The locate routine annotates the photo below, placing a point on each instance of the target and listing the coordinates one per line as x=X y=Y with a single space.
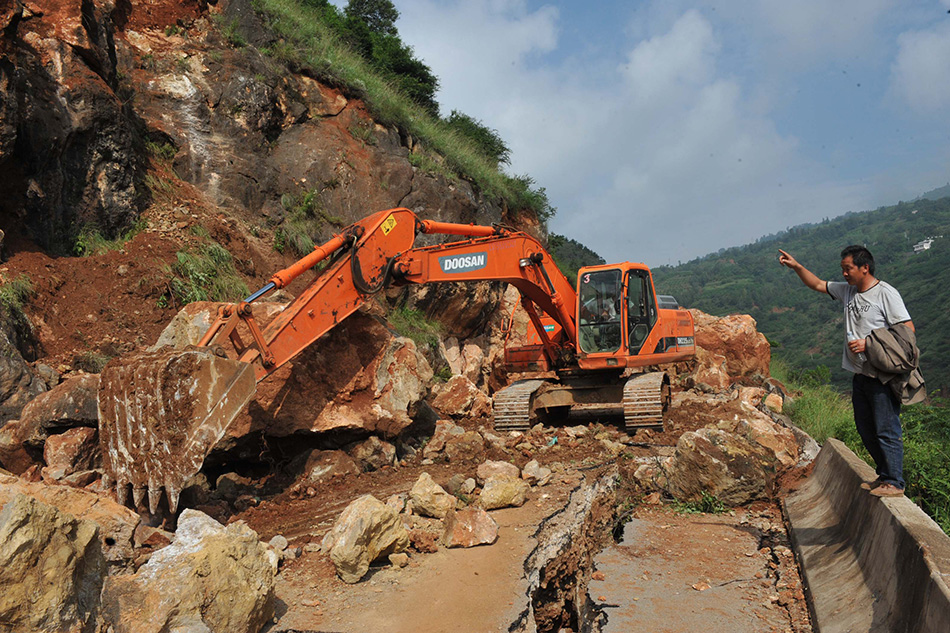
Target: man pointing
x=869 y=304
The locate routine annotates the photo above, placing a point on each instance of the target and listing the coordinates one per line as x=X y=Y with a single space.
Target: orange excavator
x=162 y=412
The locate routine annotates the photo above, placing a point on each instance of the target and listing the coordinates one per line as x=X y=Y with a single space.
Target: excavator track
x=646 y=399
x=512 y=405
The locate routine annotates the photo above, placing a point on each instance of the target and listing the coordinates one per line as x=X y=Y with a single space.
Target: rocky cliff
x=164 y=122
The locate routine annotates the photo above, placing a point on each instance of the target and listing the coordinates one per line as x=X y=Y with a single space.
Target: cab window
x=599 y=318
x=641 y=309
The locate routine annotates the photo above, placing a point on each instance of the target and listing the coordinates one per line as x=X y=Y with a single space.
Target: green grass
x=16 y=292
x=306 y=218
x=206 y=275
x=91 y=242
x=414 y=324
x=708 y=504
x=307 y=41
x=823 y=412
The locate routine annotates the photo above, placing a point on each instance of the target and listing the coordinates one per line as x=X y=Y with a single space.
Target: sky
x=663 y=131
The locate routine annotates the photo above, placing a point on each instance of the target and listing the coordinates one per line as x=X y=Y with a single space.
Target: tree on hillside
x=488 y=141
x=378 y=15
x=369 y=27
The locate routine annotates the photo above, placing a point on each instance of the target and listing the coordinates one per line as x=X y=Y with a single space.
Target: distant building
x=925 y=244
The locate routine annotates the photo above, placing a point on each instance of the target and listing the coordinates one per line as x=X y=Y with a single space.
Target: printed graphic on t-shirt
x=856 y=309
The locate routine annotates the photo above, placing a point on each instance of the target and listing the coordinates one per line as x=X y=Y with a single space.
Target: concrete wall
x=870 y=564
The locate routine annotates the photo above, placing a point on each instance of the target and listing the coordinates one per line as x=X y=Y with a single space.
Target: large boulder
x=502 y=491
x=491 y=468
x=18 y=384
x=736 y=461
x=70 y=452
x=444 y=432
x=116 y=523
x=211 y=578
x=746 y=351
x=373 y=453
x=325 y=466
x=70 y=404
x=366 y=530
x=51 y=569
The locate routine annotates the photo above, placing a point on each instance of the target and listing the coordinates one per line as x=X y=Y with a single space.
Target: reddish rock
x=444 y=431
x=70 y=404
x=14 y=455
x=468 y=445
x=460 y=398
x=469 y=527
x=323 y=466
x=747 y=352
x=373 y=454
x=70 y=452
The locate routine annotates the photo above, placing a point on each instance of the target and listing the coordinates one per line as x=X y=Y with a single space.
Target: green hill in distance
x=804 y=327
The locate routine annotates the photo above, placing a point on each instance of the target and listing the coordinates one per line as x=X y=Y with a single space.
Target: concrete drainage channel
x=876 y=565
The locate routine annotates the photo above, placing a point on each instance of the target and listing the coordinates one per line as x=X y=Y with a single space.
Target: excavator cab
x=616 y=310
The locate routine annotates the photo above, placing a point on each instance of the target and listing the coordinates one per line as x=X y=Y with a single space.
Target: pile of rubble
x=95 y=564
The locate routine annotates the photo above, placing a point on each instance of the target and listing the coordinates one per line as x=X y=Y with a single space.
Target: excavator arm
x=162 y=413
x=377 y=253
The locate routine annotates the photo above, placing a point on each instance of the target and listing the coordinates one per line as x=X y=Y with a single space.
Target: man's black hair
x=860 y=256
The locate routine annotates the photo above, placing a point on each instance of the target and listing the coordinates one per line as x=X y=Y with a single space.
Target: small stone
x=399 y=560
x=598 y=575
x=279 y=543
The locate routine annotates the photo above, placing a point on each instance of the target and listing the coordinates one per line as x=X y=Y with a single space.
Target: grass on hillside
x=823 y=412
x=309 y=42
x=91 y=241
x=205 y=275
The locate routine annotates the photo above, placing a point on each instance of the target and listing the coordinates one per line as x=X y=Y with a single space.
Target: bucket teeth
x=161 y=413
x=122 y=492
x=138 y=496
x=173 y=492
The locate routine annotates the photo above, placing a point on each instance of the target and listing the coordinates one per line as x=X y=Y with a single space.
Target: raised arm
x=808 y=278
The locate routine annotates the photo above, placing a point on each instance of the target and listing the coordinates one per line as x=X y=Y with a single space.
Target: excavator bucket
x=160 y=414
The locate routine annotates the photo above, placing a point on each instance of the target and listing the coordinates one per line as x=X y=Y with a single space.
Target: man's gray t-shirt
x=878 y=306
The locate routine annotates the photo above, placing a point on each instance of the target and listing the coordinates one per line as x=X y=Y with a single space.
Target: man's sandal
x=888 y=490
x=871 y=485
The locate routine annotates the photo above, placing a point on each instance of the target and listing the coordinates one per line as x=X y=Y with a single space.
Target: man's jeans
x=877 y=416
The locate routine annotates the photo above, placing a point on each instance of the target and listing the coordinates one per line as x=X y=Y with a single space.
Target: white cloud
x=920 y=75
x=658 y=159
x=805 y=32
x=680 y=59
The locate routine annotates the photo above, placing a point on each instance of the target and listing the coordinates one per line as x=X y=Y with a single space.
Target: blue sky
x=663 y=131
